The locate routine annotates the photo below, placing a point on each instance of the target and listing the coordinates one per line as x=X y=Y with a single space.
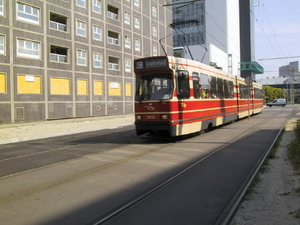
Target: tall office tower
x=209 y=31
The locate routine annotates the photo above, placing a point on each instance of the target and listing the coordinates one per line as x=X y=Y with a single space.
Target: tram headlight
x=139 y=117
x=164 y=117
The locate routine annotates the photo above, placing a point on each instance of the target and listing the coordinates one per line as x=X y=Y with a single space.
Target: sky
x=277 y=34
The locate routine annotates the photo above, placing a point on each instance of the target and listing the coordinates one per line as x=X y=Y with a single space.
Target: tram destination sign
x=151 y=63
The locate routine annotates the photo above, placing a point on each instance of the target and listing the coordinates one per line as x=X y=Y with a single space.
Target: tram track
x=153 y=146
x=228 y=212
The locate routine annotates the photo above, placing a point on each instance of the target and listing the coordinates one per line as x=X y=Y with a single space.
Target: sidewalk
x=10 y=133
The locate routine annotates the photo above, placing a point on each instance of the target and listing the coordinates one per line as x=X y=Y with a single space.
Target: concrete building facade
x=74 y=58
x=289 y=70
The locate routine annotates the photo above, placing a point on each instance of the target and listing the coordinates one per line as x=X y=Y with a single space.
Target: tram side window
x=220 y=93
x=247 y=91
x=196 y=85
x=226 y=89
x=213 y=87
x=258 y=93
x=244 y=92
x=204 y=82
x=183 y=86
x=241 y=91
x=230 y=86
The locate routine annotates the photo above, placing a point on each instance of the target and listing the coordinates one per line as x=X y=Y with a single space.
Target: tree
x=272 y=93
x=177 y=54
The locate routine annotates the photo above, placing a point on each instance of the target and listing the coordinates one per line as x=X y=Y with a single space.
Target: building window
x=2 y=45
x=114 y=89
x=127 y=17
x=1 y=8
x=80 y=28
x=154 y=51
x=80 y=3
x=97 y=33
x=97 y=60
x=2 y=83
x=98 y=87
x=137 y=45
x=81 y=58
x=113 y=63
x=127 y=65
x=137 y=22
x=113 y=38
x=28 y=49
x=58 y=22
x=28 y=13
x=128 y=89
x=127 y=42
x=58 y=54
x=154 y=11
x=154 y=31
x=29 y=84
x=60 y=86
x=97 y=6
x=112 y=12
x=137 y=3
x=82 y=87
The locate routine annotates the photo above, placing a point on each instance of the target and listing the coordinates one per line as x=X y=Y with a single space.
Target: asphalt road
x=77 y=179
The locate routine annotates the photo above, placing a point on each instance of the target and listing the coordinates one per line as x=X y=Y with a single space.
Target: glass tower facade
x=188 y=23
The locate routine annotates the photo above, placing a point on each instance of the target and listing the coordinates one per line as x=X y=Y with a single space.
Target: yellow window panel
x=128 y=89
x=28 y=84
x=98 y=88
x=114 y=89
x=82 y=88
x=59 y=86
x=2 y=83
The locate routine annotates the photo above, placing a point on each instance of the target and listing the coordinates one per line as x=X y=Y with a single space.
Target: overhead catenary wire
x=272 y=28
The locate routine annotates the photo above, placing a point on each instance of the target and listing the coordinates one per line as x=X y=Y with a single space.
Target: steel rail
x=232 y=207
x=122 y=208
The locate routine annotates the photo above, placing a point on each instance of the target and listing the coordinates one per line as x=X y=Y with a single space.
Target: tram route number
x=150 y=117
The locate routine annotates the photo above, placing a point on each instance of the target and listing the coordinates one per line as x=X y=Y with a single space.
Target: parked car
x=277 y=102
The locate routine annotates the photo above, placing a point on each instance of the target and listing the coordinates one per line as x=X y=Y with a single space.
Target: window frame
x=137 y=3
x=95 y=6
x=154 y=30
x=127 y=41
x=127 y=65
x=2 y=7
x=183 y=84
x=154 y=50
x=112 y=65
x=137 y=22
x=95 y=33
x=154 y=11
x=137 y=45
x=127 y=17
x=25 y=48
x=2 y=50
x=81 y=57
x=58 y=56
x=78 y=3
x=111 y=39
x=31 y=14
x=99 y=60
x=79 y=27
x=58 y=24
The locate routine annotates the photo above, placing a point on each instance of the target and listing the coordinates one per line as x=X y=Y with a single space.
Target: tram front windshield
x=154 y=87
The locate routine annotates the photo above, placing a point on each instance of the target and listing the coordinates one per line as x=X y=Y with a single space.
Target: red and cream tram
x=176 y=96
